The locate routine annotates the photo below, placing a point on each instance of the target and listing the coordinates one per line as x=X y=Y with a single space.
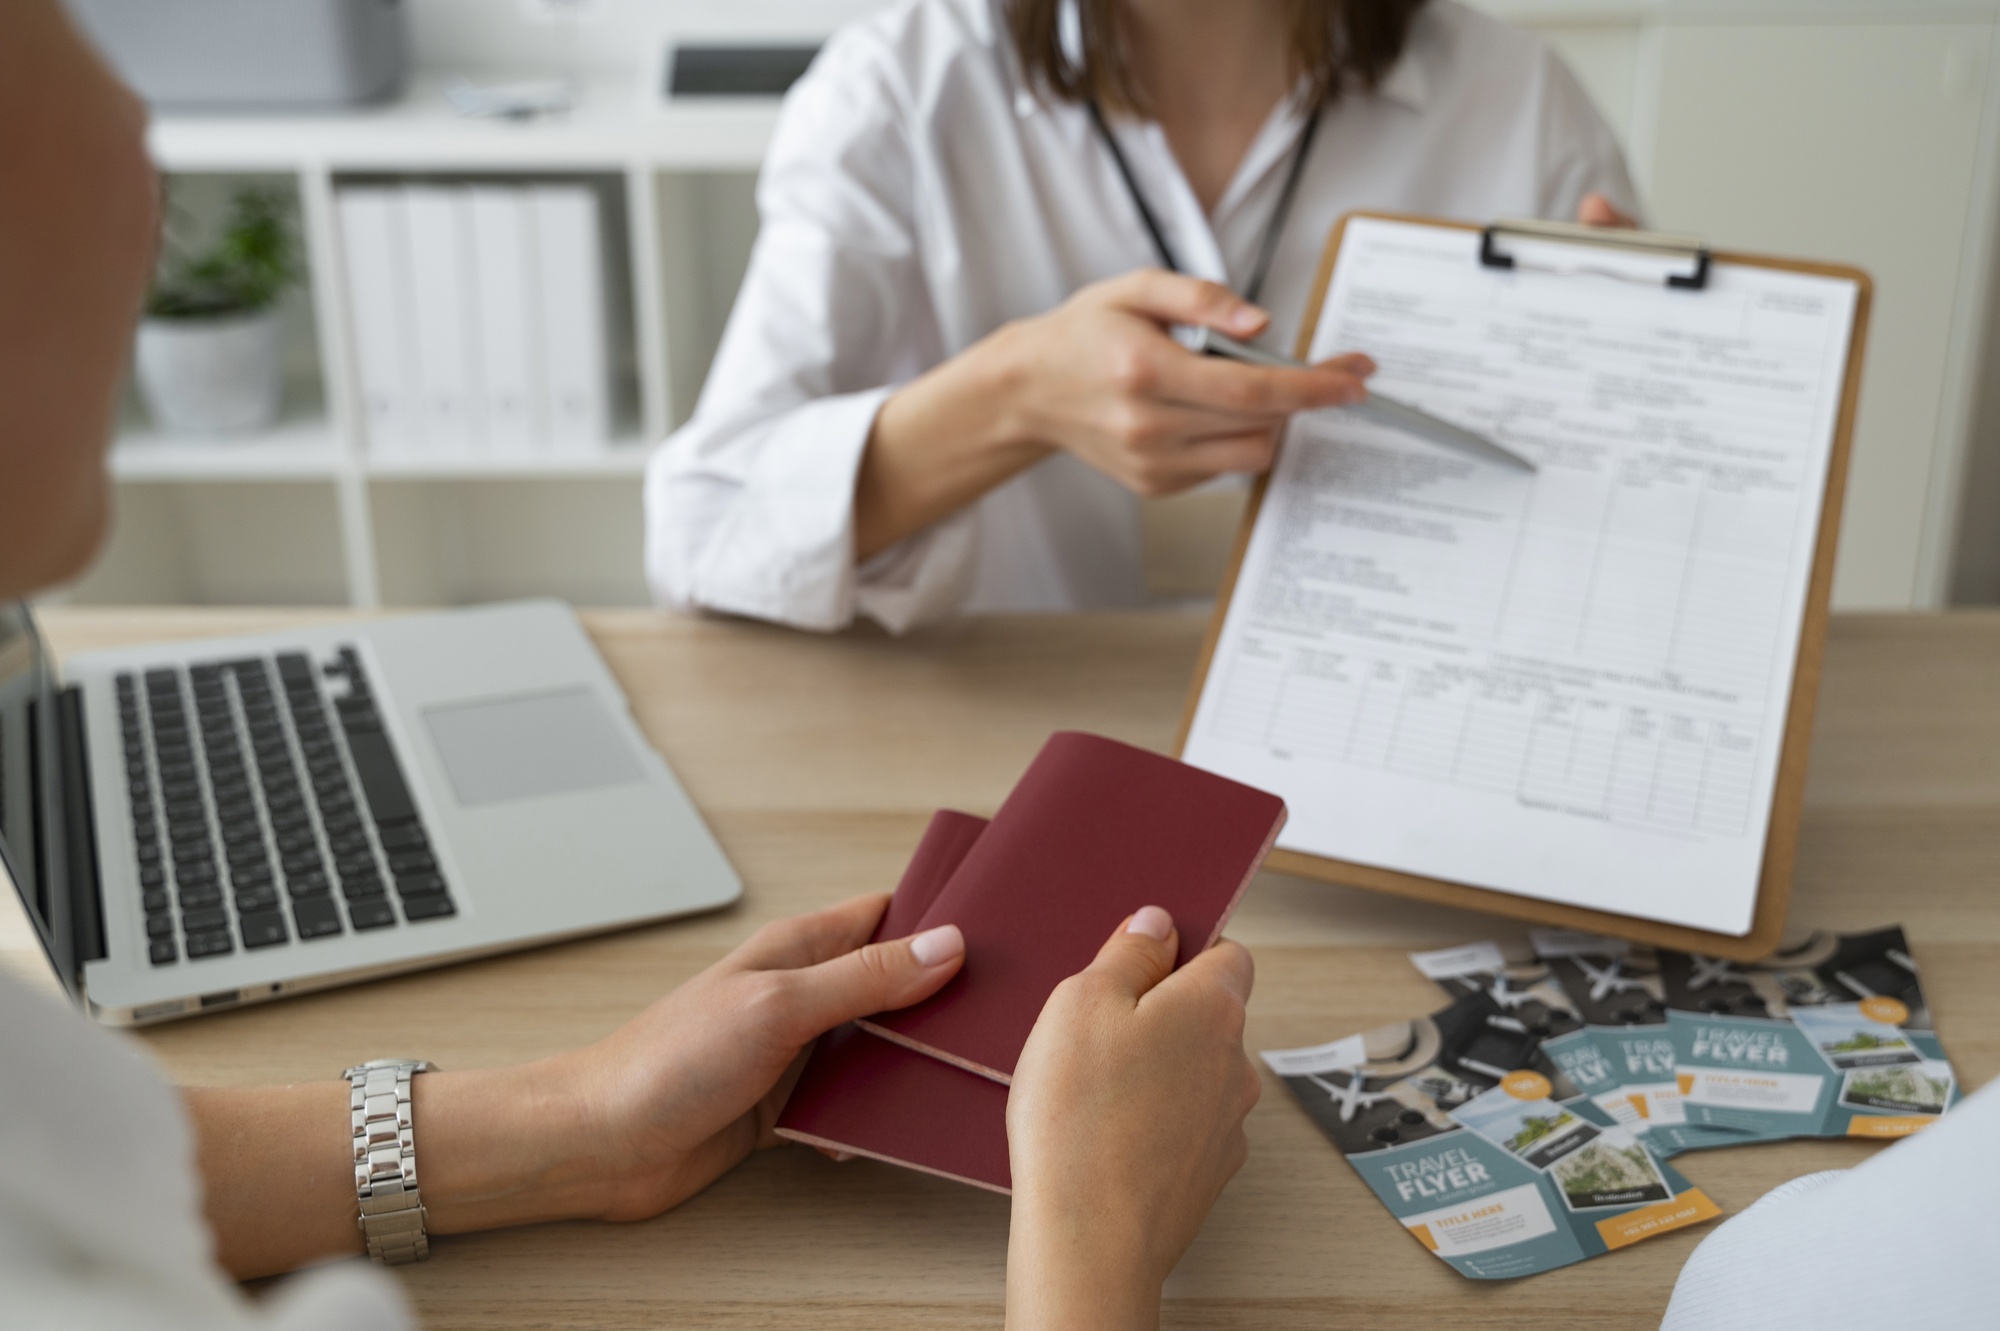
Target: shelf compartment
x=302 y=448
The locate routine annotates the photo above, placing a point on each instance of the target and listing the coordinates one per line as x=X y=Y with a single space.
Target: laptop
x=202 y=825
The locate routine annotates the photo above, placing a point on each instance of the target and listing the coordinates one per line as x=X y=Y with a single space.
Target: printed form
x=1570 y=684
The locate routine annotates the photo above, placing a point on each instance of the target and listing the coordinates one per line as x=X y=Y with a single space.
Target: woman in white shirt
x=947 y=378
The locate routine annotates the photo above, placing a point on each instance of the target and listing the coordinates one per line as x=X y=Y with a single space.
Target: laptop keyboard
x=269 y=799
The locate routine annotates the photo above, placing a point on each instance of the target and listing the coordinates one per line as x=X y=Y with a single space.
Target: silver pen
x=1375 y=408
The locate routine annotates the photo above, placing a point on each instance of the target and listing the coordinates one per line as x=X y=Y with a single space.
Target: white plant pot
x=222 y=374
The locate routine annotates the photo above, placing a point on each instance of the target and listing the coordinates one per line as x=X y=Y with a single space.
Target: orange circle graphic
x=1888 y=1011
x=1527 y=1085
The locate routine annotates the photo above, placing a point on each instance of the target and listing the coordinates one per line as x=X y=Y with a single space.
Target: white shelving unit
x=674 y=175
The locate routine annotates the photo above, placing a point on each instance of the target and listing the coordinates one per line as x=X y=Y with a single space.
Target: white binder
x=375 y=245
x=445 y=304
x=571 y=288
x=511 y=402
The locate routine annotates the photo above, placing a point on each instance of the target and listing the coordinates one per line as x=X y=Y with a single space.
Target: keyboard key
x=256 y=898
x=163 y=952
x=306 y=884
x=412 y=862
x=209 y=945
x=357 y=715
x=248 y=854
x=381 y=778
x=149 y=854
x=160 y=926
x=361 y=885
x=264 y=928
x=205 y=921
x=433 y=907
x=201 y=896
x=417 y=885
x=376 y=914
x=297 y=841
x=243 y=876
x=151 y=876
x=403 y=836
x=317 y=917
x=195 y=874
x=343 y=823
x=154 y=900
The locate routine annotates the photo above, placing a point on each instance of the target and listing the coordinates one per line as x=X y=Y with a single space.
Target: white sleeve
x=749 y=507
x=1907 y=1238
x=1578 y=152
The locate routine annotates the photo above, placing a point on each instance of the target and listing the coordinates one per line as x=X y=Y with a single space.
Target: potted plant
x=210 y=352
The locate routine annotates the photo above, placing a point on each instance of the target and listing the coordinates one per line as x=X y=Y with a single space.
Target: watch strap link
x=385 y=1160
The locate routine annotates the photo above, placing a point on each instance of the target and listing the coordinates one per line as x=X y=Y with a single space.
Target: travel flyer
x=1830 y=1038
x=1482 y=1146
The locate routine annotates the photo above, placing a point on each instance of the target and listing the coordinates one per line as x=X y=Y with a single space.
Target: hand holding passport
x=1094 y=831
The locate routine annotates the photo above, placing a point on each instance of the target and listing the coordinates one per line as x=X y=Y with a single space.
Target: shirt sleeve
x=749 y=507
x=1578 y=151
x=1905 y=1238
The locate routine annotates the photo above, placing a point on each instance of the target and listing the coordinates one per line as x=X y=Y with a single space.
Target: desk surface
x=817 y=761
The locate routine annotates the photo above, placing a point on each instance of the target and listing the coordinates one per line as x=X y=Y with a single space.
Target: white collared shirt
x=918 y=195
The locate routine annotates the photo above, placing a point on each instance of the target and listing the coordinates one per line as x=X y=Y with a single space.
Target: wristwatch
x=385 y=1160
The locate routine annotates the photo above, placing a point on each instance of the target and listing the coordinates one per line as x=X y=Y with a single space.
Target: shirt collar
x=1273 y=144
x=1406 y=84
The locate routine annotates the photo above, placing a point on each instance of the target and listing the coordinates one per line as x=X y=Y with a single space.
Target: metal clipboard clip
x=1624 y=243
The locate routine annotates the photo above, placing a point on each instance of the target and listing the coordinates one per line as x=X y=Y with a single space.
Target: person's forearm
x=1070 y=1272
x=938 y=444
x=494 y=1148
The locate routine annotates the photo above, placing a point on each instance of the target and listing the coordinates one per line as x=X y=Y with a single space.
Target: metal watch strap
x=385 y=1160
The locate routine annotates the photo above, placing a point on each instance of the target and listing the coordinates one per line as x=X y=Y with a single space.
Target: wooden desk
x=817 y=761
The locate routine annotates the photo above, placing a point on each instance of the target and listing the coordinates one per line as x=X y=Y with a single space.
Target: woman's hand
x=1099 y=377
x=619 y=1130
x=1124 y=1123
x=1596 y=210
x=684 y=1091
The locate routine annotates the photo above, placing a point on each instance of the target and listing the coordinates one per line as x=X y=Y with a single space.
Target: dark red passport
x=1094 y=830
x=862 y=1094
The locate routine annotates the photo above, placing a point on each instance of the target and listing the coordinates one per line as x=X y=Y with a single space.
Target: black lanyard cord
x=1273 y=230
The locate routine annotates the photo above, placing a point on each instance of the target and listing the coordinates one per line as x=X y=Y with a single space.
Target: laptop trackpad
x=530 y=745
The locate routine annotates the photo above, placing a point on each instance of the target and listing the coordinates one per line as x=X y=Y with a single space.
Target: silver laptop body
x=199 y=825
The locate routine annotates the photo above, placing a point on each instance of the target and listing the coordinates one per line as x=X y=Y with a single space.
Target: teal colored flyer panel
x=1830 y=1038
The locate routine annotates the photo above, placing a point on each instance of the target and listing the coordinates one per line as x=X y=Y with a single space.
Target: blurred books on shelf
x=478 y=320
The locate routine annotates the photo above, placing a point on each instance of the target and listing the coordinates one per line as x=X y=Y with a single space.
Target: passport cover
x=864 y=1095
x=1094 y=830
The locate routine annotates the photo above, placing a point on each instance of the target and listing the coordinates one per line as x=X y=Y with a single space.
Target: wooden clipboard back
x=1788 y=796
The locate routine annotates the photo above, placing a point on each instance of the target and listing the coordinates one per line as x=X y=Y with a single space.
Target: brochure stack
x=1527 y=1125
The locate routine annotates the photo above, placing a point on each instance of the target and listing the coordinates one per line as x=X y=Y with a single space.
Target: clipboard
x=1591 y=251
